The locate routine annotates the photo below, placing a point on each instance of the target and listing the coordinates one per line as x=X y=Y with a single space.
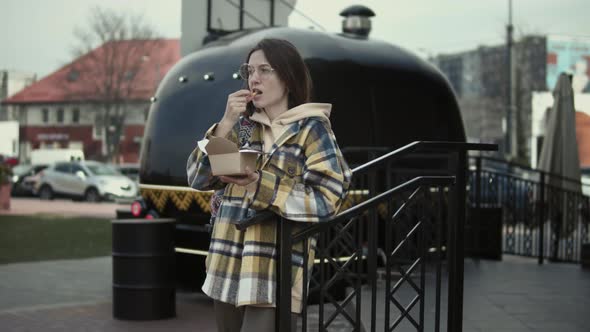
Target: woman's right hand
x=236 y=105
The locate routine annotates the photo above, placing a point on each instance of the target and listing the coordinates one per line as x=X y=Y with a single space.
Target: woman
x=301 y=176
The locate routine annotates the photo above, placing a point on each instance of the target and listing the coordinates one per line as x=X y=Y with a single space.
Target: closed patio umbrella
x=559 y=156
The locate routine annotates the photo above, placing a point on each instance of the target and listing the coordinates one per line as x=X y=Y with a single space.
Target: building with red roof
x=63 y=109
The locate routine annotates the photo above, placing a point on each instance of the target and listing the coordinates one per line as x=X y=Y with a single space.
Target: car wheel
x=91 y=195
x=46 y=193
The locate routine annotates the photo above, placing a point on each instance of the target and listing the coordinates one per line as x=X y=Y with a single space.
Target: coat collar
x=290 y=131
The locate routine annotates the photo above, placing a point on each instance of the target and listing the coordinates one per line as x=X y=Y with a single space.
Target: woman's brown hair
x=288 y=64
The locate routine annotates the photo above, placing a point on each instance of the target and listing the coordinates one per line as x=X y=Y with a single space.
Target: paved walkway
x=513 y=295
x=520 y=295
x=63 y=207
x=75 y=295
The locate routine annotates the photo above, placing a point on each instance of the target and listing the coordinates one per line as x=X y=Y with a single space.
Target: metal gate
x=403 y=238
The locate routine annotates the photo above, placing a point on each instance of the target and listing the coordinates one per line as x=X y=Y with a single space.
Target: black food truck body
x=382 y=96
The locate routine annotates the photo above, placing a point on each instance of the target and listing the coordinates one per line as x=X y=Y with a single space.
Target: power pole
x=509 y=42
x=4 y=94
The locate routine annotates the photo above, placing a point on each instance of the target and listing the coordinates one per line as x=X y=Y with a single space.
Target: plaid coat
x=303 y=178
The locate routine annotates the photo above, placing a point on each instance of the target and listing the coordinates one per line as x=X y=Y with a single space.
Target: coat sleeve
x=198 y=167
x=324 y=185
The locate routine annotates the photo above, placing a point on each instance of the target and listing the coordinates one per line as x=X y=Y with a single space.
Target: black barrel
x=124 y=213
x=143 y=269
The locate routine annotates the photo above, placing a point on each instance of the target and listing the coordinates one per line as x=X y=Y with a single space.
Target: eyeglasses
x=246 y=70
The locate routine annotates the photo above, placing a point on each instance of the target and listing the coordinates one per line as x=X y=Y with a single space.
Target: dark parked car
x=24 y=178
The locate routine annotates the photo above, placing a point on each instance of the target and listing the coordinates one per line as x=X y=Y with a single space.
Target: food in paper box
x=227 y=159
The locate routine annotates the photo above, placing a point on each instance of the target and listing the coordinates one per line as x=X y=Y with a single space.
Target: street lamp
x=509 y=42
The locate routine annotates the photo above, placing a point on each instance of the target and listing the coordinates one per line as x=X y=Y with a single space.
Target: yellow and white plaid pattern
x=304 y=178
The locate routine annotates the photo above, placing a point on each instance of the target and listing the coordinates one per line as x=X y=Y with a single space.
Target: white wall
x=136 y=115
x=9 y=138
x=32 y=115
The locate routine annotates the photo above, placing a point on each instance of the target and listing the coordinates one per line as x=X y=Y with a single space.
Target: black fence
x=405 y=233
x=543 y=215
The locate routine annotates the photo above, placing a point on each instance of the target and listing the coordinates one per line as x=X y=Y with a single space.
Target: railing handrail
x=528 y=168
x=416 y=145
x=426 y=145
x=354 y=210
x=552 y=186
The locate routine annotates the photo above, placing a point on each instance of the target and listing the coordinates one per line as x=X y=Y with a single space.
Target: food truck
x=382 y=96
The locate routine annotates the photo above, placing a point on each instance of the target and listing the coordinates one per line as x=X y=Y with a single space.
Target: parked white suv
x=88 y=180
x=585 y=181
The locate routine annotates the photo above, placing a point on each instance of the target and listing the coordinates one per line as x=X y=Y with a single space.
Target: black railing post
x=476 y=218
x=477 y=182
x=372 y=251
x=455 y=243
x=304 y=284
x=439 y=258
x=542 y=219
x=388 y=262
x=284 y=277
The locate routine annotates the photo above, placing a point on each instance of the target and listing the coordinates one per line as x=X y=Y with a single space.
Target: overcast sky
x=36 y=35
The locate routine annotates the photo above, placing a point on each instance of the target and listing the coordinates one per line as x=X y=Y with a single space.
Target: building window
x=76 y=115
x=45 y=114
x=22 y=115
x=60 y=115
x=98 y=126
x=129 y=75
x=73 y=75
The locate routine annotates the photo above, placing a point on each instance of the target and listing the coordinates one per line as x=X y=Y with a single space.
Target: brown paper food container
x=227 y=159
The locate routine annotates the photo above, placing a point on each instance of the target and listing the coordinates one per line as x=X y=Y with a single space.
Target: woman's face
x=264 y=80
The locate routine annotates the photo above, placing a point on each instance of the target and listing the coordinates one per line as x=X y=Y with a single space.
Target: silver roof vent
x=357 y=20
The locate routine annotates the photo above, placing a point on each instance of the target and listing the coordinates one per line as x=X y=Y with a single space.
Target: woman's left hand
x=242 y=180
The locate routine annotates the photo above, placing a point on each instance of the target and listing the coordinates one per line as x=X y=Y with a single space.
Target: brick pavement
x=513 y=295
x=193 y=313
x=75 y=295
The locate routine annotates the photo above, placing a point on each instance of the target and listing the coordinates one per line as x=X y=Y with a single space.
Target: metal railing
x=413 y=225
x=544 y=215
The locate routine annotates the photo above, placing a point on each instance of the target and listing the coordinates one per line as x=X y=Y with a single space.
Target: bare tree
x=111 y=52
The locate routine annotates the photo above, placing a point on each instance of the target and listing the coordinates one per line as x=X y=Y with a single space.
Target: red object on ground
x=11 y=161
x=5 y=196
